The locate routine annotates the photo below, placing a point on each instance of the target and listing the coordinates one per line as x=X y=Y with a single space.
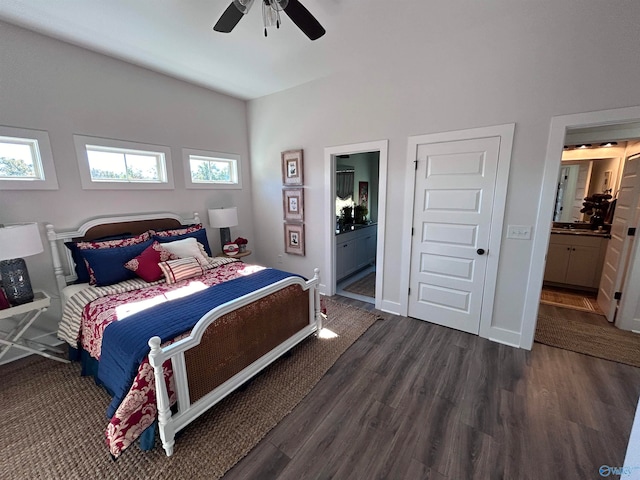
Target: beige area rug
x=53 y=420
x=569 y=299
x=607 y=342
x=365 y=286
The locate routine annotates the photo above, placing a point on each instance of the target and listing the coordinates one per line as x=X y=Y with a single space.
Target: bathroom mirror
x=579 y=178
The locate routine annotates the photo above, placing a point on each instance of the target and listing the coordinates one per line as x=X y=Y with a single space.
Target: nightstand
x=27 y=314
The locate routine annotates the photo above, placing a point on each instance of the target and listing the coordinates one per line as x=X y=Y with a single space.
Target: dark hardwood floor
x=413 y=400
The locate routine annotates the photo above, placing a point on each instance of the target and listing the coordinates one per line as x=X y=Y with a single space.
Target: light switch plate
x=519 y=232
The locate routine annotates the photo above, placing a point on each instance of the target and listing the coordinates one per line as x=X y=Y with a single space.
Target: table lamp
x=223 y=218
x=17 y=241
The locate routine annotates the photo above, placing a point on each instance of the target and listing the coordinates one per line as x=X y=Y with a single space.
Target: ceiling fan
x=271 y=16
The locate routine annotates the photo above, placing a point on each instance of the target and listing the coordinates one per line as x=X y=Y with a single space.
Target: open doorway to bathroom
x=595 y=204
x=355 y=202
x=356 y=211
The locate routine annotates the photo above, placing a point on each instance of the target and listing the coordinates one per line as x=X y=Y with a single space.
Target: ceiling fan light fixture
x=243 y=5
x=270 y=15
x=271 y=9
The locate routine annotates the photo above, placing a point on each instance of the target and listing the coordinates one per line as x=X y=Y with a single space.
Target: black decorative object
x=17 y=241
x=225 y=235
x=15 y=281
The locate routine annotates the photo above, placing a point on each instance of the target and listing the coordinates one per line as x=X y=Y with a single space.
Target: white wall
x=50 y=85
x=459 y=65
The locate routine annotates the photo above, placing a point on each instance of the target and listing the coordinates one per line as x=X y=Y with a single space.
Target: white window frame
x=82 y=141
x=187 y=153
x=48 y=170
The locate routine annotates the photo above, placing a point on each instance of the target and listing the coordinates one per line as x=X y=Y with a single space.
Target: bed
x=167 y=328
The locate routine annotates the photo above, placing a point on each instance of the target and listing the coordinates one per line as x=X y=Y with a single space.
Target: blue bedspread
x=124 y=343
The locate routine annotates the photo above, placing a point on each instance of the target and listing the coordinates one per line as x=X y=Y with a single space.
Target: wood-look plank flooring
x=413 y=400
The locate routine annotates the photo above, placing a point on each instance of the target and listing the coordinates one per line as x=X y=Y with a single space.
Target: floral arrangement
x=241 y=241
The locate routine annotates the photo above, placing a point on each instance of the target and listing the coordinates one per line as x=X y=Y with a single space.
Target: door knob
x=480 y=251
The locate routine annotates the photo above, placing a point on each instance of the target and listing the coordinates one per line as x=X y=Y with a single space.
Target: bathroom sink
x=578 y=231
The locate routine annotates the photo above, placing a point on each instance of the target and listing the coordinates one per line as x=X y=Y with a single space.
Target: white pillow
x=187 y=247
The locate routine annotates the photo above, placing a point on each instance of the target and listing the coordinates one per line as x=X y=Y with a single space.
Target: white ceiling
x=175 y=37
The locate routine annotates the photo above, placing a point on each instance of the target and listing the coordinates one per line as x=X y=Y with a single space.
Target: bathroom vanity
x=575 y=257
x=355 y=248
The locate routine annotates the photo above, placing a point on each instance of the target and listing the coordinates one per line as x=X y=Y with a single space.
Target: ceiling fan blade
x=229 y=19
x=304 y=20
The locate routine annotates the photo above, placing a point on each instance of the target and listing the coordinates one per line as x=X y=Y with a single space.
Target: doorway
x=594 y=222
x=357 y=238
x=356 y=201
x=561 y=127
x=588 y=186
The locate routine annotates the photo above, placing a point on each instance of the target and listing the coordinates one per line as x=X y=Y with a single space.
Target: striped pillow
x=181 y=269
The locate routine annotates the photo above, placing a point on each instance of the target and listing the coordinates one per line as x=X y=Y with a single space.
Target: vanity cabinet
x=355 y=250
x=575 y=260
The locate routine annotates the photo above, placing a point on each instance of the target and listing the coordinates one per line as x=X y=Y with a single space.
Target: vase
x=243 y=248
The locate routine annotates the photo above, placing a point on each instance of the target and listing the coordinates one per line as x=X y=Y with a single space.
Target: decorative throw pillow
x=146 y=266
x=106 y=265
x=115 y=243
x=196 y=231
x=80 y=265
x=181 y=269
x=187 y=247
x=174 y=232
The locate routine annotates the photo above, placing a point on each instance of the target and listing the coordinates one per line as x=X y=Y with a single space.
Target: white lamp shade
x=223 y=217
x=19 y=240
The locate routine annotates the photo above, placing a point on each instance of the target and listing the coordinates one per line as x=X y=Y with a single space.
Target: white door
x=619 y=246
x=453 y=204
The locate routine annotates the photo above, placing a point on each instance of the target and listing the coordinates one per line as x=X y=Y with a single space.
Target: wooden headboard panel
x=104 y=227
x=132 y=228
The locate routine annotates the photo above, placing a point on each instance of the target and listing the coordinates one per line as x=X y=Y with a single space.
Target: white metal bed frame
x=169 y=424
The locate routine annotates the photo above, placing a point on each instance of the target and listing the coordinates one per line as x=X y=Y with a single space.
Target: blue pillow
x=79 y=266
x=199 y=235
x=108 y=263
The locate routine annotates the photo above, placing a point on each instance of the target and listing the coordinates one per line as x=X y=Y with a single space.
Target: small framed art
x=293 y=204
x=292 y=168
x=294 y=238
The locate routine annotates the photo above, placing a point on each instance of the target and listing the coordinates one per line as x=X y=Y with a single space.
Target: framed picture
x=363 y=194
x=292 y=167
x=606 y=183
x=294 y=238
x=293 y=204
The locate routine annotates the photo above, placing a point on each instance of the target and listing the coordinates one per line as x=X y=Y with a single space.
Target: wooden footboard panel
x=229 y=345
x=237 y=339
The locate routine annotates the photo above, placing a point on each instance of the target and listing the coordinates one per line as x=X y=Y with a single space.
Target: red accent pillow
x=146 y=266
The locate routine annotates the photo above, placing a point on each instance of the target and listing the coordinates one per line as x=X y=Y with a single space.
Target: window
x=204 y=169
x=26 y=161
x=122 y=165
x=119 y=165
